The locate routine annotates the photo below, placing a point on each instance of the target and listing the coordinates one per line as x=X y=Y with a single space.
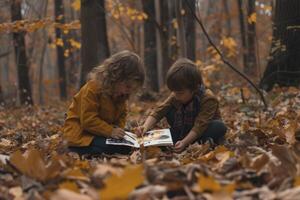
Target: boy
x=191 y=110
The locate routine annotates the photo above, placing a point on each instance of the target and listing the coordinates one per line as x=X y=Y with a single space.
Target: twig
x=4 y=54
x=242 y=95
x=222 y=57
x=189 y=193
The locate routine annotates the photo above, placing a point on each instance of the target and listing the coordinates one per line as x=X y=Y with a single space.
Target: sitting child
x=191 y=110
x=98 y=110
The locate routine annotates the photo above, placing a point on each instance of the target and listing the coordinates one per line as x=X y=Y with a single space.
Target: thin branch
x=223 y=58
x=4 y=54
x=120 y=26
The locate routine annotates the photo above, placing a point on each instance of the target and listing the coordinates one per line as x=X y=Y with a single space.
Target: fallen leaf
x=69 y=185
x=119 y=187
x=63 y=194
x=32 y=164
x=207 y=183
x=17 y=192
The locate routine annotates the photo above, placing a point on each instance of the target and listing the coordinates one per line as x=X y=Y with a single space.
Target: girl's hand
x=179 y=146
x=117 y=133
x=139 y=131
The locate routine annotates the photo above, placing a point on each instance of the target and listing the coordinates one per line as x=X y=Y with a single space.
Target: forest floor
x=259 y=159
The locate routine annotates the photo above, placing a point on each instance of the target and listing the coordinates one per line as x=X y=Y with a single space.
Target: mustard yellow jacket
x=92 y=112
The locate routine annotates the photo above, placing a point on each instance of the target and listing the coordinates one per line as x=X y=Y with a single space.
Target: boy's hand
x=139 y=131
x=117 y=133
x=179 y=146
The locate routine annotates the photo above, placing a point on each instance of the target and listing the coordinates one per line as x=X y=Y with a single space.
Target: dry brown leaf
x=17 y=192
x=119 y=187
x=32 y=164
x=149 y=191
x=207 y=183
x=69 y=185
x=259 y=162
x=103 y=170
x=63 y=194
x=75 y=174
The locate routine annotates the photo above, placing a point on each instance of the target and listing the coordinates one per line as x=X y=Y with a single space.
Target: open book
x=161 y=137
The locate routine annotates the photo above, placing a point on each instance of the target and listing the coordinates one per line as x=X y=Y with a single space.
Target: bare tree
x=251 y=67
x=283 y=67
x=93 y=35
x=180 y=30
x=243 y=32
x=59 y=18
x=150 y=58
x=227 y=17
x=21 y=58
x=190 y=31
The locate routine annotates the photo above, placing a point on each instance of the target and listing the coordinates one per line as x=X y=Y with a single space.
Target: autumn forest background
x=248 y=52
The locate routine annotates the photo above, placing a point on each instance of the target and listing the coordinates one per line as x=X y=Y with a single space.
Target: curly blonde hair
x=122 y=66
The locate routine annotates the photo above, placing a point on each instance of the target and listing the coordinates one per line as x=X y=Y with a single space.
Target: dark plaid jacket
x=203 y=108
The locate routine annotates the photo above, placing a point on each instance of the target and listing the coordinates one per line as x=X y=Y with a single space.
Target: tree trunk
x=166 y=25
x=251 y=67
x=243 y=33
x=180 y=30
x=190 y=31
x=150 y=58
x=102 y=31
x=227 y=18
x=20 y=51
x=172 y=41
x=283 y=67
x=59 y=18
x=93 y=36
x=159 y=39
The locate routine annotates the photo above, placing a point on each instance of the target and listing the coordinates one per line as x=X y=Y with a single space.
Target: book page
x=129 y=139
x=161 y=137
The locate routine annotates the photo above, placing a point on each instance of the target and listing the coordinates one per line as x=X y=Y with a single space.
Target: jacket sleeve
x=208 y=110
x=89 y=117
x=162 y=109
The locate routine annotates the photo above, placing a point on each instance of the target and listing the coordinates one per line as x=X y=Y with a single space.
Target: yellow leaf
x=182 y=12
x=199 y=62
x=32 y=164
x=297 y=181
x=268 y=8
x=66 y=53
x=76 y=5
x=76 y=174
x=59 y=42
x=145 y=16
x=65 y=31
x=75 y=44
x=69 y=186
x=207 y=183
x=252 y=18
x=140 y=17
x=118 y=187
x=175 y=23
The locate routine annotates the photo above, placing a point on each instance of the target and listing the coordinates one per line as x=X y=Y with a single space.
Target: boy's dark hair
x=183 y=74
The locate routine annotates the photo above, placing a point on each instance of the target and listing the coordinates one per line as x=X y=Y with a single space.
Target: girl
x=98 y=110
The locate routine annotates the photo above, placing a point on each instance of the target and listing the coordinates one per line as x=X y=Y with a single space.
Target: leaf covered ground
x=259 y=159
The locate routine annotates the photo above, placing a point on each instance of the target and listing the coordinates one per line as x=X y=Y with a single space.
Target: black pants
x=216 y=130
x=98 y=146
